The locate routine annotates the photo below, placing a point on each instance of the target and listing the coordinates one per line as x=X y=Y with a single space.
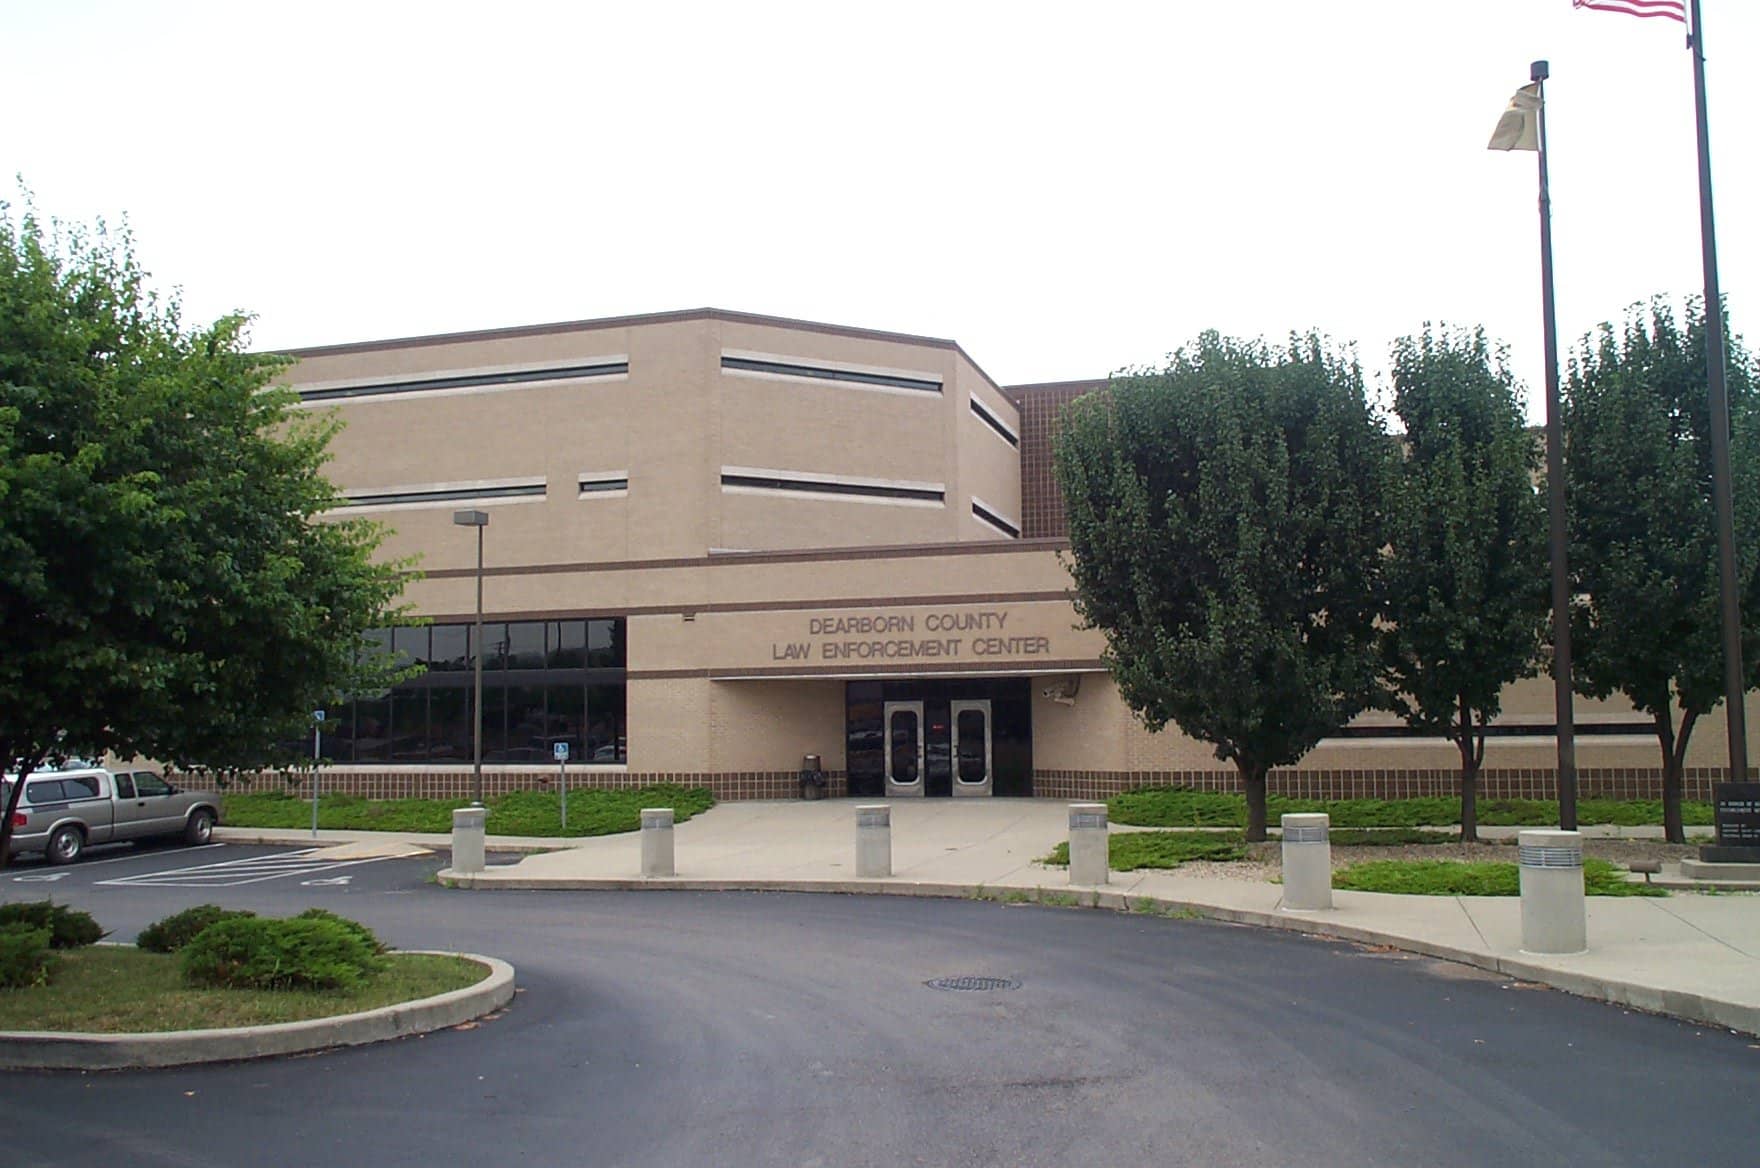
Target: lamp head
x=471 y=518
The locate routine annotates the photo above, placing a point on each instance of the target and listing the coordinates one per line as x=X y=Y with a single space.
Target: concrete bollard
x=873 y=840
x=1553 y=910
x=1307 y=862
x=657 y=841
x=1089 y=862
x=467 y=838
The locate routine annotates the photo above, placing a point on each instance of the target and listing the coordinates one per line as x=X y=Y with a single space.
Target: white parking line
x=232 y=873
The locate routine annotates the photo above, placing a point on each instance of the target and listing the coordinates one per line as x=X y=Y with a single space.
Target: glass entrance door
x=904 y=748
x=973 y=769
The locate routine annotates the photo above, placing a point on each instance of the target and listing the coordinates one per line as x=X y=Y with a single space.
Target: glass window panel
x=372 y=741
x=904 y=746
x=449 y=723
x=567 y=644
x=43 y=791
x=974 y=764
x=124 y=787
x=525 y=645
x=605 y=725
x=527 y=728
x=495 y=637
x=494 y=724
x=81 y=787
x=605 y=644
x=567 y=709
x=409 y=725
x=451 y=651
x=410 y=645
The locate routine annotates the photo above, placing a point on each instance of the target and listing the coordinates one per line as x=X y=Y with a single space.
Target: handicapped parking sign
x=560 y=751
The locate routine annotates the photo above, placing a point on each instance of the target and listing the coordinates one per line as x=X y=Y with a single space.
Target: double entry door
x=939 y=759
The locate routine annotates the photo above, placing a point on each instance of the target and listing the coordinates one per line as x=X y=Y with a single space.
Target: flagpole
x=1561 y=589
x=1735 y=691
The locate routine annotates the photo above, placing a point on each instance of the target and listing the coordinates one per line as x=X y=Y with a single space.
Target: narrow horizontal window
x=1505 y=730
x=860 y=490
x=445 y=495
x=857 y=376
x=986 y=515
x=599 y=484
x=467 y=381
x=995 y=423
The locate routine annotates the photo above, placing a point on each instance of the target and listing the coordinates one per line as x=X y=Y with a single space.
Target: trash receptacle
x=812 y=777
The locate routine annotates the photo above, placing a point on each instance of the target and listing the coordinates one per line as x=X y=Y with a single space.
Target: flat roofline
x=1085 y=384
x=636 y=321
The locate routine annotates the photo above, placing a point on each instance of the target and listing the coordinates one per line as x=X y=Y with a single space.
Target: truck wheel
x=66 y=845
x=200 y=828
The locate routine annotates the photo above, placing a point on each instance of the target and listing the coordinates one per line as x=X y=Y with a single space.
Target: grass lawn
x=1180 y=807
x=590 y=812
x=116 y=989
x=1160 y=849
x=1488 y=878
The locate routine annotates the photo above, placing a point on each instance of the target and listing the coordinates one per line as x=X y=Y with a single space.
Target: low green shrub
x=355 y=927
x=1486 y=878
x=179 y=929
x=268 y=954
x=69 y=928
x=25 y=959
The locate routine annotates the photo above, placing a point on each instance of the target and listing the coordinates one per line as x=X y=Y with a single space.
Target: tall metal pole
x=1561 y=585
x=1729 y=598
x=477 y=737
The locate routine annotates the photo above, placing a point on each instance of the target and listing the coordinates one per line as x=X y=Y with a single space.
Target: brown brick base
x=1493 y=784
x=419 y=784
x=1625 y=783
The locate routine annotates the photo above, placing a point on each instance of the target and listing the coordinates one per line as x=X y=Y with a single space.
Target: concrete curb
x=296 y=836
x=1651 y=999
x=51 y=1050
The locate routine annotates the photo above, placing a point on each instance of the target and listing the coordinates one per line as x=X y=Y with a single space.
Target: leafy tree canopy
x=1225 y=525
x=1466 y=564
x=1643 y=541
x=167 y=587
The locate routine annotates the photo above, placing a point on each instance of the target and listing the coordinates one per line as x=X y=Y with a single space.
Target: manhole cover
x=969 y=984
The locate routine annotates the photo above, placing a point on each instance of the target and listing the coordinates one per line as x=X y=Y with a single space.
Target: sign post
x=317 y=749
x=560 y=749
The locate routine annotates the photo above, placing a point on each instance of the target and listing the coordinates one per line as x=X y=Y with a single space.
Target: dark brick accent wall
x=1612 y=783
x=1041 y=504
x=420 y=784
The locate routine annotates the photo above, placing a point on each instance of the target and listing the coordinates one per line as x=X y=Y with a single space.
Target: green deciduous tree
x=1643 y=545
x=1225 y=527
x=166 y=586
x=1466 y=567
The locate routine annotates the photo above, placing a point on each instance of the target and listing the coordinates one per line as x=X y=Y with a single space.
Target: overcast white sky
x=1063 y=188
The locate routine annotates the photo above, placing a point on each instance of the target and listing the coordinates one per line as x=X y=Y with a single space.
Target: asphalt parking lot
x=677 y=1028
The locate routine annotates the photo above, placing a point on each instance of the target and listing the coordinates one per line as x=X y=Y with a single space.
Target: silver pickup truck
x=63 y=811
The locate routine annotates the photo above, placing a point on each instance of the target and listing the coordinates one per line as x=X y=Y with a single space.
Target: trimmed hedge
x=25 y=959
x=171 y=934
x=259 y=953
x=69 y=928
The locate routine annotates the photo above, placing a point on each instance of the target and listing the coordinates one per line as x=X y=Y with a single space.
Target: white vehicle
x=64 y=810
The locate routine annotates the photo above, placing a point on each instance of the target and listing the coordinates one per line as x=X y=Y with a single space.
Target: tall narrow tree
x=1466 y=563
x=1643 y=543
x=1225 y=531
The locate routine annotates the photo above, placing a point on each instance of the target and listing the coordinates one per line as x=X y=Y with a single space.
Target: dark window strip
x=753 y=366
x=444 y=496
x=609 y=369
x=995 y=423
x=806 y=486
x=996 y=521
x=1590 y=729
x=590 y=486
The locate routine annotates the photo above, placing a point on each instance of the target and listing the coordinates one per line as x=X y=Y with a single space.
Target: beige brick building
x=719 y=542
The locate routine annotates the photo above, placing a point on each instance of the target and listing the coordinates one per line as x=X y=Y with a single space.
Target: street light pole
x=478 y=520
x=1558 y=536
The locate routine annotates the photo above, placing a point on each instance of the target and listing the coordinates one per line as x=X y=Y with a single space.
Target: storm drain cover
x=973 y=984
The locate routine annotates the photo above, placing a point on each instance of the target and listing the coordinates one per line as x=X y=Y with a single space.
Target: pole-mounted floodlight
x=478 y=520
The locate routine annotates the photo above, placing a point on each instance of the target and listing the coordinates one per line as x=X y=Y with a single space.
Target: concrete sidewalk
x=1693 y=956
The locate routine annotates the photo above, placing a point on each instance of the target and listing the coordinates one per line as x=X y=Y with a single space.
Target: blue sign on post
x=560 y=751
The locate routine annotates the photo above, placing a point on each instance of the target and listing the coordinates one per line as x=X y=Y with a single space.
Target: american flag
x=1673 y=9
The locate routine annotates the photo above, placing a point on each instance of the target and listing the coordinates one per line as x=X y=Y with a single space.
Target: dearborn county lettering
x=893 y=648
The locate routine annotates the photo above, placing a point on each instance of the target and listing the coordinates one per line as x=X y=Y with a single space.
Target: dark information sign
x=1737 y=814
